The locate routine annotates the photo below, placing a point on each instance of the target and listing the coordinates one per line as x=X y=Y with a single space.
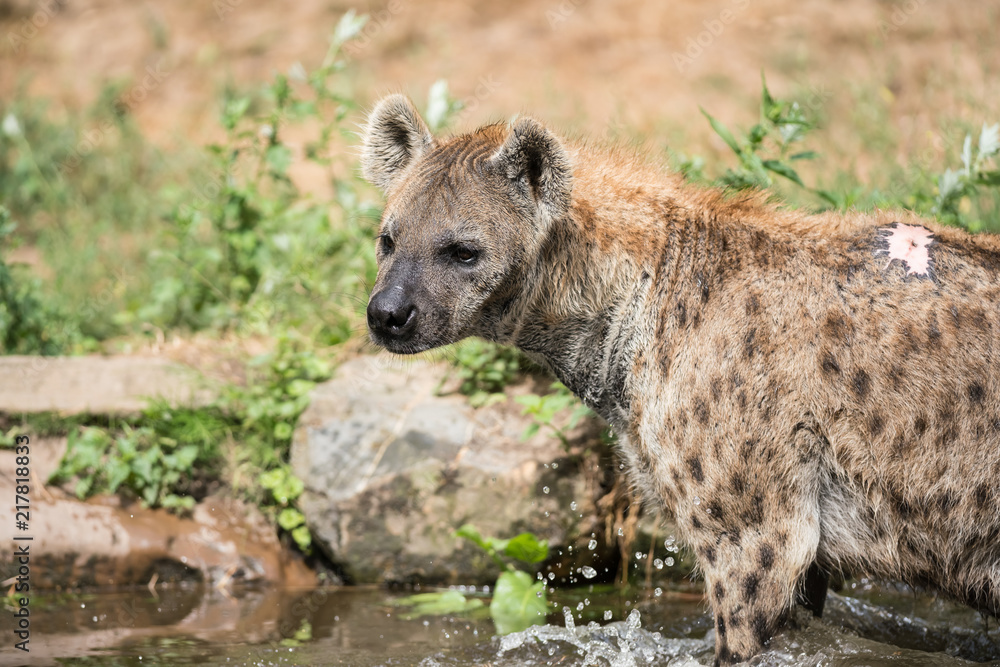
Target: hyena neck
x=612 y=281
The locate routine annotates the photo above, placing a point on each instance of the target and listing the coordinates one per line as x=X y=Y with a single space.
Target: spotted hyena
x=803 y=393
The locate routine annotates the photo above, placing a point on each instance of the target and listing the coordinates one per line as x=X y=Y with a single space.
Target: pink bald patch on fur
x=909 y=243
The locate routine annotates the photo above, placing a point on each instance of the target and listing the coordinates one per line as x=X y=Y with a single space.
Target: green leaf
x=290 y=518
x=782 y=169
x=438 y=105
x=518 y=602
x=804 y=155
x=437 y=604
x=723 y=132
x=767 y=102
x=303 y=538
x=282 y=430
x=348 y=27
x=117 y=472
x=989 y=140
x=527 y=548
x=488 y=544
x=991 y=178
x=530 y=430
x=279 y=157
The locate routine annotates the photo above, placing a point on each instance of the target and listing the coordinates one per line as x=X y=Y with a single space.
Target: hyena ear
x=538 y=165
x=394 y=138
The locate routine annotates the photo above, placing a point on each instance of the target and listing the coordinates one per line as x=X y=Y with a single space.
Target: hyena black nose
x=391 y=312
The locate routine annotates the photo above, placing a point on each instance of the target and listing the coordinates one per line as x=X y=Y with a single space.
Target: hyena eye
x=387 y=243
x=464 y=254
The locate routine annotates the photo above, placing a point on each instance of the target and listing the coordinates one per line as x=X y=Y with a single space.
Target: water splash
x=622 y=644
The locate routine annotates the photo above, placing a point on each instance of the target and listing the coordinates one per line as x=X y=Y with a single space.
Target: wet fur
x=790 y=393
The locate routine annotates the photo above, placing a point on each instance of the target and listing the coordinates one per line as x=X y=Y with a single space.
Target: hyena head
x=464 y=220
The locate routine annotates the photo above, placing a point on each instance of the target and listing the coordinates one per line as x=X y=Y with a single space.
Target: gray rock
x=392 y=470
x=98 y=385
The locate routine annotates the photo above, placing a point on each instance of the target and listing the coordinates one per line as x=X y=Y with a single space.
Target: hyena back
x=803 y=393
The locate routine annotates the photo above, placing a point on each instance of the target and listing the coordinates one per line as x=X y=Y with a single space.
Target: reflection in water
x=356 y=626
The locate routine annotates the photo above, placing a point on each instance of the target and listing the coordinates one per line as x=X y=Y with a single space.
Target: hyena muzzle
x=803 y=393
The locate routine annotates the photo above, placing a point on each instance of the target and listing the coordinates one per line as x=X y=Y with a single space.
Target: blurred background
x=185 y=252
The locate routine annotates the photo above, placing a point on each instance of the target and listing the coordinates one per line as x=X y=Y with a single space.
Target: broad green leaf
x=302 y=537
x=527 y=548
x=437 y=604
x=290 y=518
x=488 y=544
x=518 y=602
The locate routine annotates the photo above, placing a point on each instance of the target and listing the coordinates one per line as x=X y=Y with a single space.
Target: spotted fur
x=796 y=397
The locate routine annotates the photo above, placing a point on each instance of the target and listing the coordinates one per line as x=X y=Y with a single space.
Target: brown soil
x=889 y=69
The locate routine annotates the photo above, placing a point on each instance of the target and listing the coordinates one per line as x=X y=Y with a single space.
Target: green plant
x=518 y=599
x=169 y=456
x=70 y=179
x=956 y=185
x=28 y=323
x=549 y=410
x=153 y=467
x=250 y=250
x=781 y=125
x=485 y=369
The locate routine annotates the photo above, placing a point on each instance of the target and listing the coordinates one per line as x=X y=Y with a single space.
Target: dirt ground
x=890 y=72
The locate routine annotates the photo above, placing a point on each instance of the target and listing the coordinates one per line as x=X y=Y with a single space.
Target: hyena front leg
x=752 y=585
x=754 y=550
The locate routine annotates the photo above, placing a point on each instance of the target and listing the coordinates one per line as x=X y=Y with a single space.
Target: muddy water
x=358 y=627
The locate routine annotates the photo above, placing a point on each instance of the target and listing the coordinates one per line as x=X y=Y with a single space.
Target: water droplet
x=620 y=532
x=592 y=545
x=539 y=594
x=568 y=615
x=552 y=575
x=658 y=564
x=697 y=500
x=572 y=506
x=555 y=465
x=579 y=607
x=608 y=615
x=545 y=489
x=658 y=591
x=670 y=562
x=588 y=572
